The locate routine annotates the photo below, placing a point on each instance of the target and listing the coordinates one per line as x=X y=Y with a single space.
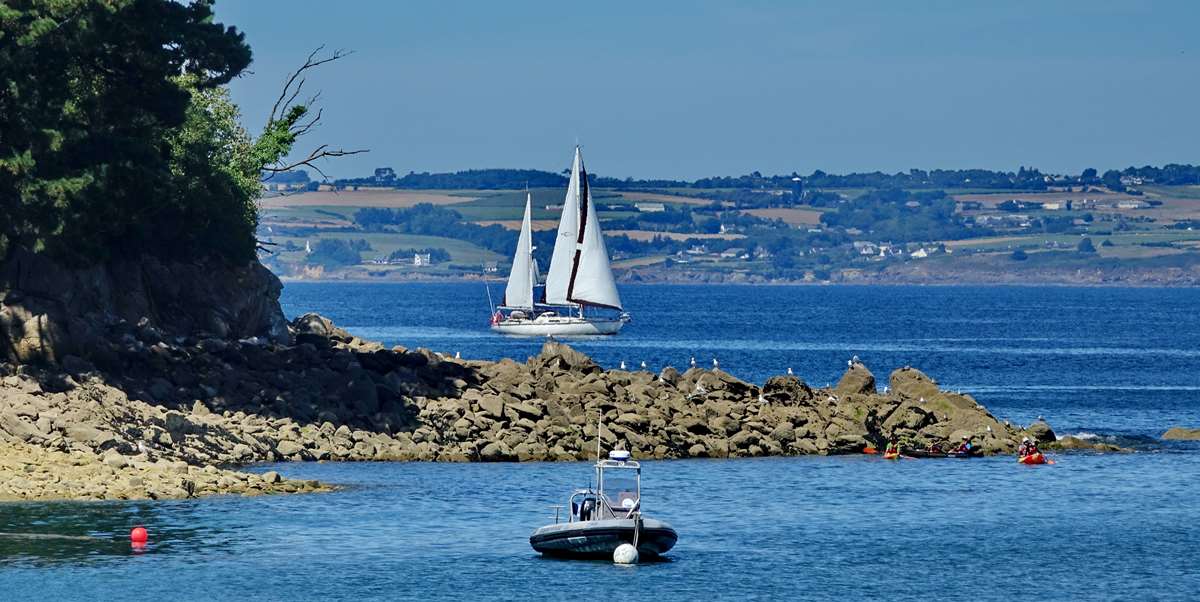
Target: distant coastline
x=1137 y=280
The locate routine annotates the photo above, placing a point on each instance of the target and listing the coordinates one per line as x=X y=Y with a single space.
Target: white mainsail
x=579 y=268
x=522 y=278
x=558 y=278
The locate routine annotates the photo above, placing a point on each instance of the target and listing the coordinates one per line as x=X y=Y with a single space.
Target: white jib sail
x=558 y=278
x=592 y=282
x=523 y=276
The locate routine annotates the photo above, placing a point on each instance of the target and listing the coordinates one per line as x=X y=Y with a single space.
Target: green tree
x=334 y=252
x=1086 y=246
x=117 y=138
x=90 y=91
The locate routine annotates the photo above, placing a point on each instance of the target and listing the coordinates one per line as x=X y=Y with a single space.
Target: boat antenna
x=599 y=429
x=491 y=306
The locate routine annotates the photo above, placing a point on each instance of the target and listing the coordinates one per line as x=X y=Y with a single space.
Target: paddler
x=1023 y=449
x=1032 y=449
x=965 y=446
x=893 y=446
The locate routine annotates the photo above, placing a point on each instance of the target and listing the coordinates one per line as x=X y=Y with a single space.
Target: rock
x=1179 y=433
x=495 y=451
x=912 y=383
x=527 y=410
x=492 y=406
x=16 y=426
x=90 y=436
x=115 y=461
x=1041 y=432
x=1076 y=443
x=786 y=389
x=288 y=449
x=560 y=356
x=270 y=477
x=856 y=380
x=669 y=375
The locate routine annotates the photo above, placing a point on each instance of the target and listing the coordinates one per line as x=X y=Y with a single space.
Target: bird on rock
x=789 y=371
x=693 y=361
x=622 y=364
x=643 y=365
x=715 y=364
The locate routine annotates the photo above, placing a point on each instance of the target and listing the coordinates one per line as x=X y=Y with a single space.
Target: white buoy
x=625 y=554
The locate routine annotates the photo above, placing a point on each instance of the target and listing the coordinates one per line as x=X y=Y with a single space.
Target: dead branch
x=321 y=152
x=294 y=83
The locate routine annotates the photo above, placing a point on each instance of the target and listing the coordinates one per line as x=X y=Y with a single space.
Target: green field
x=383 y=243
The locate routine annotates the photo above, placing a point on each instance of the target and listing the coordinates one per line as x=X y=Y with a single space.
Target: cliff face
x=49 y=311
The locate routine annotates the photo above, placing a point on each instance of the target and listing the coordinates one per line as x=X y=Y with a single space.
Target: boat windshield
x=621 y=488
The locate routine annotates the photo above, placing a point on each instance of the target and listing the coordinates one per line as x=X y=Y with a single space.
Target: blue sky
x=691 y=89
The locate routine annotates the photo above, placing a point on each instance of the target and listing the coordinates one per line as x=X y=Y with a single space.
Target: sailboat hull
x=559 y=326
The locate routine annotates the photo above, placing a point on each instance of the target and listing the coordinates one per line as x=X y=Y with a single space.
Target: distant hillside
x=1028 y=179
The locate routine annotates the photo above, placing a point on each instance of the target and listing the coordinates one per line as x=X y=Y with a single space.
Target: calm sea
x=1116 y=363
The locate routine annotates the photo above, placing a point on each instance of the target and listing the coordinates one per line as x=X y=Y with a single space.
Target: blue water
x=1102 y=527
x=1111 y=360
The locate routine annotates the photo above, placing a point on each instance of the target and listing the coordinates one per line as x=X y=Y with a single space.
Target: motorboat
x=600 y=519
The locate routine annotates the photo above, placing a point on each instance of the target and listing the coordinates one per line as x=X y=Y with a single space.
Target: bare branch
x=281 y=110
x=291 y=88
x=321 y=152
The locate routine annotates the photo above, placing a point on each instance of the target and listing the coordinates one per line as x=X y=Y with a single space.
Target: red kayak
x=1037 y=458
x=891 y=456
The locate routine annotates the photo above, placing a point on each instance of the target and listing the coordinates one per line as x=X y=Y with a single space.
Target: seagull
x=789 y=371
x=622 y=364
x=850 y=363
x=922 y=400
x=885 y=389
x=989 y=429
x=855 y=360
x=643 y=365
x=693 y=361
x=458 y=355
x=761 y=399
x=715 y=364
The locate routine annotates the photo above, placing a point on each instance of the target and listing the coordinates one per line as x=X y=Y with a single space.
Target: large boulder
x=560 y=356
x=857 y=380
x=1041 y=432
x=786 y=389
x=912 y=383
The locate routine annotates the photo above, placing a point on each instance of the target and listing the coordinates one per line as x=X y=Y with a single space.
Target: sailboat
x=580 y=294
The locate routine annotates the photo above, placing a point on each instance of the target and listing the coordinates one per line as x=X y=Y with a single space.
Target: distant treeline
x=1022 y=179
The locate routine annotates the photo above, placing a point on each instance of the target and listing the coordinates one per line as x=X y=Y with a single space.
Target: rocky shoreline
x=153 y=380
x=167 y=417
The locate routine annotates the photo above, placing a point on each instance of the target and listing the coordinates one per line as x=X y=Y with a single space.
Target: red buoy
x=138 y=535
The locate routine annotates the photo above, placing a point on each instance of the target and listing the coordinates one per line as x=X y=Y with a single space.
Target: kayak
x=920 y=453
x=891 y=456
x=870 y=450
x=1037 y=458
